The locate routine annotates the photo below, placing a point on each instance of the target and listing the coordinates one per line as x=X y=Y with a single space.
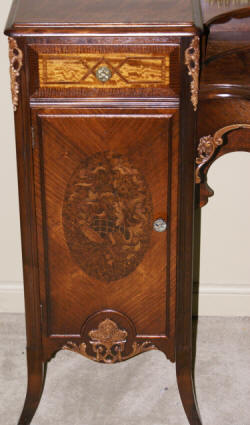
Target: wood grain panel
x=79 y=70
x=145 y=294
x=230 y=66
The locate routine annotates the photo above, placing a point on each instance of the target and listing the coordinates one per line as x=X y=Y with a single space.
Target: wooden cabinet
x=102 y=179
x=105 y=106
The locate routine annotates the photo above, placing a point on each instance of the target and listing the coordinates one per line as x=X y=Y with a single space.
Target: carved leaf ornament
x=108 y=344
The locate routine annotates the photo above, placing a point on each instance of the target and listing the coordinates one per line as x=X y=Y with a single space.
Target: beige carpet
x=141 y=391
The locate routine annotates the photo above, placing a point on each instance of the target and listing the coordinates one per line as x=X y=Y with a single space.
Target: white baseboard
x=222 y=300
x=214 y=299
x=11 y=297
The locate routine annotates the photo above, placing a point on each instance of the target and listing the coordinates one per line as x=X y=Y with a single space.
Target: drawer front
x=105 y=178
x=83 y=71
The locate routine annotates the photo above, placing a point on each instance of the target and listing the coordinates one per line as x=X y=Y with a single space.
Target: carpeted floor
x=141 y=391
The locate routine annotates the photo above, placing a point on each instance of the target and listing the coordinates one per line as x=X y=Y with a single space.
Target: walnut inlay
x=107 y=216
x=79 y=70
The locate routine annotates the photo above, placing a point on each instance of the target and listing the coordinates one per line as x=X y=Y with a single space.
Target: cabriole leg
x=186 y=388
x=36 y=379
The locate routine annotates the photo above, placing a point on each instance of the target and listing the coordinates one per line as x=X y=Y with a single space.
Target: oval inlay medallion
x=107 y=216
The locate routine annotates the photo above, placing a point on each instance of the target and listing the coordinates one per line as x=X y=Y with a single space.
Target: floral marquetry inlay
x=81 y=70
x=108 y=344
x=107 y=216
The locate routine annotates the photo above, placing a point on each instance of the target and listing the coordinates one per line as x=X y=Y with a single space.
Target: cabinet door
x=102 y=179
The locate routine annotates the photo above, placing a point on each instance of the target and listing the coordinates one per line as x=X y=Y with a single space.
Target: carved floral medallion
x=108 y=344
x=107 y=216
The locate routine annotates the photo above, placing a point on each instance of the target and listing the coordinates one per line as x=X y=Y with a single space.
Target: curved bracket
x=207 y=148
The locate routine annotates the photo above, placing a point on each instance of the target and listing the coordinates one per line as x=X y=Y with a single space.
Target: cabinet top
x=46 y=16
x=27 y=14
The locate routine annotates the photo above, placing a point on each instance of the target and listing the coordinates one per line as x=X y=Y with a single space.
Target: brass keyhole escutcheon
x=103 y=74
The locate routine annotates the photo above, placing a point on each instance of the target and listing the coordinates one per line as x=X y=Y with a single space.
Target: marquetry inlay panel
x=79 y=70
x=107 y=216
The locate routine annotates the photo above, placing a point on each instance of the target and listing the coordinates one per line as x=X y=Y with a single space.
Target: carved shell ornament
x=108 y=344
x=107 y=216
x=192 y=60
x=16 y=62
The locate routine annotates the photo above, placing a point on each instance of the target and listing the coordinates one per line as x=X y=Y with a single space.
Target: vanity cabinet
x=105 y=102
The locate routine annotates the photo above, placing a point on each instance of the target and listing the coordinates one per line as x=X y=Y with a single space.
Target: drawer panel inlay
x=78 y=70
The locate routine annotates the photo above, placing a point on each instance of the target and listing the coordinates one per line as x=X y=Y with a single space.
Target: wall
x=225 y=246
x=225 y=239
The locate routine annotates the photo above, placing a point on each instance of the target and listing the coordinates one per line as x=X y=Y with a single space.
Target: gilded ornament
x=192 y=60
x=16 y=62
x=208 y=145
x=108 y=344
